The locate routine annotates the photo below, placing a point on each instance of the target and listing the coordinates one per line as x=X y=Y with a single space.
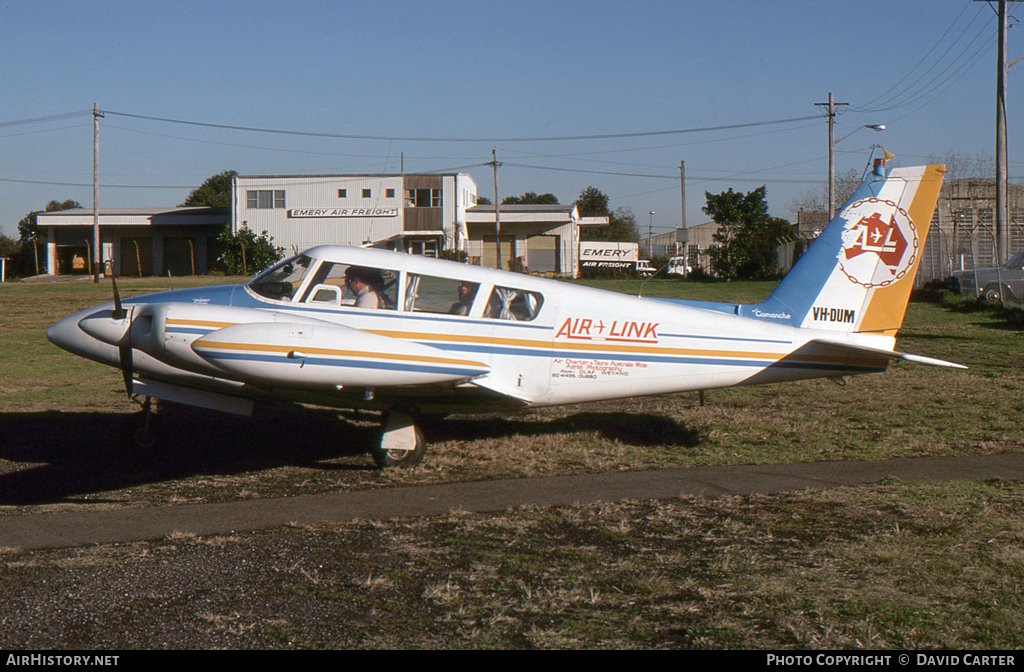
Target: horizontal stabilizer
x=890 y=354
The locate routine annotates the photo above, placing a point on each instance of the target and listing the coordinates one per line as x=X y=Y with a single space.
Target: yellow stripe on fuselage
x=198 y=323
x=568 y=348
x=264 y=347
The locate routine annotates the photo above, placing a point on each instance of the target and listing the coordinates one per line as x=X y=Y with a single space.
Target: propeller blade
x=125 y=355
x=119 y=312
x=124 y=351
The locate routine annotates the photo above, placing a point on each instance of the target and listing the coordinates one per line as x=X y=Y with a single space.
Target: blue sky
x=491 y=73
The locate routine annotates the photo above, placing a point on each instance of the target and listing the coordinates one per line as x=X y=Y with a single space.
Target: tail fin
x=857 y=275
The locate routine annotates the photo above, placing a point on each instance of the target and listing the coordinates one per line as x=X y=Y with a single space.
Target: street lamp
x=831 y=165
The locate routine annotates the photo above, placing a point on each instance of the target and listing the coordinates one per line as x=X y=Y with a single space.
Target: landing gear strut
x=140 y=428
x=402 y=443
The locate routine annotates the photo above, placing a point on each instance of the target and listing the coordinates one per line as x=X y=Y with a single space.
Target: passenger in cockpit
x=467 y=292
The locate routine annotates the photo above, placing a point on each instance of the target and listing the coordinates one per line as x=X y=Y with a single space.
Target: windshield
x=281 y=282
x=1016 y=262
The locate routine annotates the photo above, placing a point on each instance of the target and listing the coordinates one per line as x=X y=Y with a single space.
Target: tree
x=621 y=227
x=214 y=192
x=27 y=259
x=27 y=229
x=245 y=253
x=817 y=200
x=961 y=166
x=747 y=236
x=9 y=247
x=621 y=223
x=592 y=203
x=530 y=198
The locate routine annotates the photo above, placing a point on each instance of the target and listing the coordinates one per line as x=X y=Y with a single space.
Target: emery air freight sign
x=305 y=213
x=605 y=257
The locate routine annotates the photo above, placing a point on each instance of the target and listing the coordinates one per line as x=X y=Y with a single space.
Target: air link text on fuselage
x=54 y=660
x=830 y=659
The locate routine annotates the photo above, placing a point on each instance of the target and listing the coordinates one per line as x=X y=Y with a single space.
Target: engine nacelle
x=324 y=354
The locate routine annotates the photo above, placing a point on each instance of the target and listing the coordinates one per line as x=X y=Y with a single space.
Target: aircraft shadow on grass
x=70 y=455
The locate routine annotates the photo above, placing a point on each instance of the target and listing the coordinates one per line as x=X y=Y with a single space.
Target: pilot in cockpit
x=367 y=284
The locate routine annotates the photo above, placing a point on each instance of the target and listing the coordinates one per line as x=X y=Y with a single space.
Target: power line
x=934 y=46
x=911 y=96
x=697 y=178
x=351 y=136
x=105 y=186
x=40 y=120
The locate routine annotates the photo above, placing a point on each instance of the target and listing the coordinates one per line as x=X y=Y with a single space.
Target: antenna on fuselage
x=640 y=292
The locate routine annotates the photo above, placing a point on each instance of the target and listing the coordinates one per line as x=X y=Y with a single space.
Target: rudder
x=858 y=274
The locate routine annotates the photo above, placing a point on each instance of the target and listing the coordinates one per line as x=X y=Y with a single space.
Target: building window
x=367 y=193
x=264 y=199
x=389 y=193
x=423 y=198
x=342 y=193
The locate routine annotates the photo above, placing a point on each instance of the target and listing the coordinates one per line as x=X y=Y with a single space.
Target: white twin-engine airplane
x=412 y=337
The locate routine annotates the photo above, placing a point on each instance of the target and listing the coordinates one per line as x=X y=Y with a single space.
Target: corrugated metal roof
x=346 y=175
x=519 y=207
x=195 y=210
x=195 y=216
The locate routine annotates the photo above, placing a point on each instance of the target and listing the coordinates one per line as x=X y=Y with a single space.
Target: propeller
x=125 y=349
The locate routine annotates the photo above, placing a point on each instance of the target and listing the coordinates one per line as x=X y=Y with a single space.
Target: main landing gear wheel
x=402 y=443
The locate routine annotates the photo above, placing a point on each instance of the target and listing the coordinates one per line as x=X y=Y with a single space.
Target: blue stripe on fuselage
x=348 y=363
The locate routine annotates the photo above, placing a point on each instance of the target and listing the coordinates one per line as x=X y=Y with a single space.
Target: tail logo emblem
x=879 y=243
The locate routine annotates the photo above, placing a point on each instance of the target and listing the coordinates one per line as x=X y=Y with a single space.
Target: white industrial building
x=416 y=213
x=134 y=241
x=535 y=238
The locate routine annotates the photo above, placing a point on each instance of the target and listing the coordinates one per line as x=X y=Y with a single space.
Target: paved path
x=80 y=528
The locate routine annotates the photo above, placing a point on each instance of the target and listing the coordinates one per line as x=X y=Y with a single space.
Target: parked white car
x=678 y=266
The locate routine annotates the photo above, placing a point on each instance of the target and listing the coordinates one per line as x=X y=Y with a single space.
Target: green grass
x=47 y=395
x=893 y=565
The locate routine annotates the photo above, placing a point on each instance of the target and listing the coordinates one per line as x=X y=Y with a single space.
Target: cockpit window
x=513 y=304
x=282 y=281
x=340 y=284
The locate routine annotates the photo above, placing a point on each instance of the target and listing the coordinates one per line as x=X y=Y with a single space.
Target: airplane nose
x=67 y=335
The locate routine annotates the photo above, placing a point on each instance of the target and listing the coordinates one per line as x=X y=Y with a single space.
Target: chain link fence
x=961 y=245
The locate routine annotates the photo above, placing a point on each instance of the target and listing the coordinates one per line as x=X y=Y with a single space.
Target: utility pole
x=497 y=209
x=831 y=110
x=1002 y=211
x=650 y=233
x=97 y=257
x=682 y=189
